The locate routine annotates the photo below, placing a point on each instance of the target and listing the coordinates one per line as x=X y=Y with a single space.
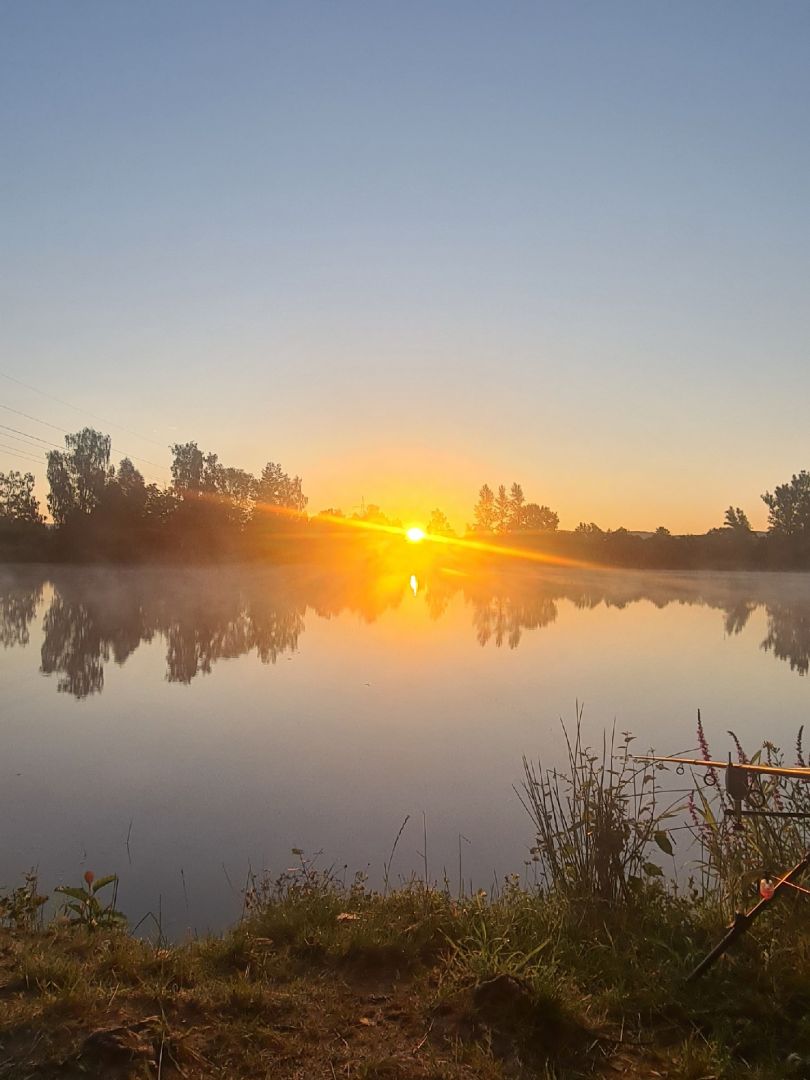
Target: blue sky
x=407 y=248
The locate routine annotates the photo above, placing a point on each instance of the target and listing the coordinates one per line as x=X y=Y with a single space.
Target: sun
x=415 y=535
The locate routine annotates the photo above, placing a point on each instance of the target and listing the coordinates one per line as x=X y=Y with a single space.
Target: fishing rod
x=738 y=777
x=738 y=780
x=768 y=891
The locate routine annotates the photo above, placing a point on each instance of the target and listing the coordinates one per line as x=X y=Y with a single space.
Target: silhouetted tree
x=517 y=501
x=484 y=514
x=78 y=474
x=125 y=494
x=188 y=465
x=238 y=488
x=130 y=481
x=789 y=506
x=736 y=520
x=374 y=515
x=17 y=500
x=540 y=518
x=276 y=488
x=160 y=503
x=503 y=508
x=438 y=524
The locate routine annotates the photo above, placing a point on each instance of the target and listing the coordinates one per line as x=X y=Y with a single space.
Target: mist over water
x=180 y=727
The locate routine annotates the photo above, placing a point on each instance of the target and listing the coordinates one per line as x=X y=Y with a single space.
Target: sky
x=406 y=249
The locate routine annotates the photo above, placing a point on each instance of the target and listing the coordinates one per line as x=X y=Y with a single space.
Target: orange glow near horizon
x=457 y=543
x=469 y=544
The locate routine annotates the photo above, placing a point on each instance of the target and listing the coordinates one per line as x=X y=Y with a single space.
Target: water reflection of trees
x=502 y=619
x=202 y=616
x=788 y=636
x=507 y=604
x=95 y=617
x=20 y=595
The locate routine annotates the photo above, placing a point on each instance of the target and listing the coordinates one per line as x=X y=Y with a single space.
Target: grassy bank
x=582 y=974
x=323 y=980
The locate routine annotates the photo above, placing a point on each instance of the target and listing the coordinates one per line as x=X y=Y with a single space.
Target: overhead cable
x=118 y=450
x=75 y=408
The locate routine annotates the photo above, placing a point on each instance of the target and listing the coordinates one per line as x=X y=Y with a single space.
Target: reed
x=599 y=821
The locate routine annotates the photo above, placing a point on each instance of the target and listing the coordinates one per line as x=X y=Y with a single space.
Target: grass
x=322 y=980
x=580 y=976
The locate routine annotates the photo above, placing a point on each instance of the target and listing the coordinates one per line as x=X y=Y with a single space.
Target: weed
x=85 y=907
x=21 y=909
x=598 y=823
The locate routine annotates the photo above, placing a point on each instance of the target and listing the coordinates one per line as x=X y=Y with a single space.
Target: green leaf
x=69 y=890
x=664 y=842
x=100 y=883
x=652 y=870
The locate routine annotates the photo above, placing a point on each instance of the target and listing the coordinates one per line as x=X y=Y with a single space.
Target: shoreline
x=321 y=979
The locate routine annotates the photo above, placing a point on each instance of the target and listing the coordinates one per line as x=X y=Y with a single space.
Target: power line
x=28 y=417
x=45 y=423
x=67 y=405
x=17 y=431
x=13 y=451
x=5 y=429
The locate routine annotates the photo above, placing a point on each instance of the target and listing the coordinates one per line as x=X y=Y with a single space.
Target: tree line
x=100 y=510
x=508 y=512
x=209 y=510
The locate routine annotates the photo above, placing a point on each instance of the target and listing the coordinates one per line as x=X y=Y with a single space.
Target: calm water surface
x=179 y=727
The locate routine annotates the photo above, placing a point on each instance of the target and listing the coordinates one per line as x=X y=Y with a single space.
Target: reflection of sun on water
x=414 y=584
x=415 y=534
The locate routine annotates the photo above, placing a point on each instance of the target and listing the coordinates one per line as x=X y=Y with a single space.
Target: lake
x=178 y=727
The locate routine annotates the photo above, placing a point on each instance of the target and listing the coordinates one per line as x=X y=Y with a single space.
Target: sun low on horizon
x=415 y=535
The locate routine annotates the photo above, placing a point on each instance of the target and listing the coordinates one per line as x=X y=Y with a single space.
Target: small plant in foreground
x=21 y=908
x=86 y=908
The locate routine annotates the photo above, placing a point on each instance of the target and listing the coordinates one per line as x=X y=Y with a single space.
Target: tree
x=127 y=490
x=160 y=503
x=503 y=508
x=540 y=518
x=188 y=466
x=789 y=507
x=375 y=516
x=517 y=501
x=130 y=482
x=662 y=531
x=238 y=488
x=589 y=529
x=195 y=473
x=17 y=499
x=484 y=513
x=736 y=520
x=78 y=474
x=276 y=488
x=438 y=525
